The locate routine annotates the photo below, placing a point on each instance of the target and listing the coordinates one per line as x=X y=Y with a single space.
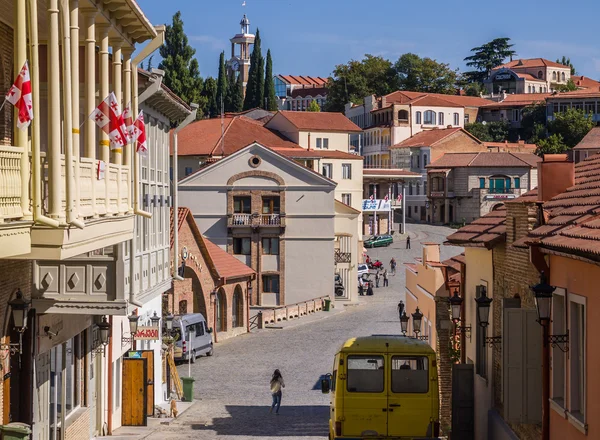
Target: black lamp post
x=19 y=308
x=404 y=322
x=456 y=303
x=417 y=320
x=543 y=299
x=483 y=316
x=133 y=325
x=169 y=323
x=155 y=319
x=104 y=329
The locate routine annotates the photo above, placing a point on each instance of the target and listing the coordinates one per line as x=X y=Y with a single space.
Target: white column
x=74 y=15
x=117 y=88
x=104 y=91
x=90 y=94
x=54 y=123
x=127 y=85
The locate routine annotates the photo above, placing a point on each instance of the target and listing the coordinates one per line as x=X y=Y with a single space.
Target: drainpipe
x=35 y=124
x=190 y=118
x=109 y=379
x=463 y=288
x=68 y=116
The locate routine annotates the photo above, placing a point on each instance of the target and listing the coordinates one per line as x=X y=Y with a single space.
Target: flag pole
x=2 y=105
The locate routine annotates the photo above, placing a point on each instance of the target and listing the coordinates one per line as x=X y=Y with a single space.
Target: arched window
x=183 y=307
x=237 y=308
x=424 y=160
x=528 y=89
x=563 y=77
x=554 y=76
x=402 y=115
x=418 y=117
x=540 y=75
x=440 y=118
x=456 y=119
x=429 y=117
x=221 y=305
x=418 y=188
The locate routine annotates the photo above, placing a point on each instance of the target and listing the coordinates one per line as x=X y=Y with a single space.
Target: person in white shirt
x=276 y=385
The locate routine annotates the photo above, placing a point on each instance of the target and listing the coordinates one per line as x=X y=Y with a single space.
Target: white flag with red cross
x=139 y=134
x=128 y=119
x=386 y=198
x=109 y=118
x=19 y=95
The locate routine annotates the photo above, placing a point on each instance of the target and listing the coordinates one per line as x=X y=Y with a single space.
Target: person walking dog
x=276 y=386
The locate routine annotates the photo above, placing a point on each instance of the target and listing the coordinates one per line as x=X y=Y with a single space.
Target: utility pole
x=403 y=209
x=375 y=228
x=390 y=209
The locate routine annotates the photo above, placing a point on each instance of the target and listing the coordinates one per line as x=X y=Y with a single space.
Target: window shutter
x=533 y=367
x=512 y=368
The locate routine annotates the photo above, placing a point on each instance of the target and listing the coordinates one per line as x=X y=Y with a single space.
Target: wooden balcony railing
x=10 y=183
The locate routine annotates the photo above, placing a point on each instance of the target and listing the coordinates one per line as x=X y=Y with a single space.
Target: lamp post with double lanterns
x=404 y=323
x=543 y=293
x=483 y=316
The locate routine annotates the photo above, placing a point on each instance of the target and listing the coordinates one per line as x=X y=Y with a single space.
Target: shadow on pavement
x=255 y=421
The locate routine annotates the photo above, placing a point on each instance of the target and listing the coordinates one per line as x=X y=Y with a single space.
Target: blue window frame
x=482 y=182
x=517 y=183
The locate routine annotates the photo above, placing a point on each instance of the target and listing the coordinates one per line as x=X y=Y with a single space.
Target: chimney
x=555 y=174
x=383 y=101
x=431 y=253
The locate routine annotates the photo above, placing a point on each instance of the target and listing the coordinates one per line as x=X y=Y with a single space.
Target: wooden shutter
x=522 y=366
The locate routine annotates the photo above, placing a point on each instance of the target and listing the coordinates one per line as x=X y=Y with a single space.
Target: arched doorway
x=237 y=308
x=198 y=302
x=221 y=305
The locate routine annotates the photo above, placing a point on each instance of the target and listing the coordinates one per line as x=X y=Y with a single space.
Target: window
x=237 y=308
x=429 y=117
x=199 y=329
x=221 y=310
x=183 y=307
x=424 y=160
x=270 y=205
x=418 y=188
x=270 y=246
x=577 y=357
x=319 y=143
x=481 y=347
x=456 y=119
x=418 y=117
x=402 y=115
x=558 y=357
x=437 y=184
x=410 y=374
x=241 y=205
x=410 y=189
x=554 y=76
x=365 y=374
x=241 y=245
x=540 y=75
x=188 y=171
x=326 y=170
x=517 y=183
x=347 y=199
x=500 y=185
x=270 y=283
x=528 y=89
x=590 y=107
x=325 y=143
x=563 y=77
x=72 y=377
x=466 y=118
x=482 y=182
x=346 y=171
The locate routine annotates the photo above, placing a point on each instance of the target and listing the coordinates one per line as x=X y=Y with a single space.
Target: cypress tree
x=222 y=83
x=269 y=87
x=255 y=85
x=209 y=92
x=236 y=95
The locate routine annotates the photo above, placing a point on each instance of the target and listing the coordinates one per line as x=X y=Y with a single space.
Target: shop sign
x=376 y=205
x=147 y=333
x=503 y=76
x=499 y=196
x=437 y=193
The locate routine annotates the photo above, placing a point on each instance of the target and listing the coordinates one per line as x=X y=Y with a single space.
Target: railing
x=291 y=311
x=270 y=220
x=501 y=191
x=241 y=220
x=254 y=321
x=342 y=257
x=10 y=183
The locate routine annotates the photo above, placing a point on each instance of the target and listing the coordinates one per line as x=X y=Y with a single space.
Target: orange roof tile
x=483 y=232
x=408 y=97
x=392 y=172
x=429 y=138
x=530 y=62
x=585 y=82
x=300 y=153
x=320 y=121
x=486 y=159
x=590 y=140
x=529 y=77
x=520 y=99
x=304 y=80
x=592 y=92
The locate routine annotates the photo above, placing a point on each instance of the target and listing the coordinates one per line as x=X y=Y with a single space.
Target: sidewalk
x=141 y=432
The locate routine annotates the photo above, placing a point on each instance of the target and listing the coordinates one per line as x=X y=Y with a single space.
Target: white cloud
x=213 y=43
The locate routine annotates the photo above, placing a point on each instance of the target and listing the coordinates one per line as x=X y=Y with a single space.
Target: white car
x=363 y=269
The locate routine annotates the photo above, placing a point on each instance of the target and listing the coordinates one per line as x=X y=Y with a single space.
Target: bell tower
x=239 y=63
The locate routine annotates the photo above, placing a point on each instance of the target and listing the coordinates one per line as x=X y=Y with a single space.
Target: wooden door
x=463 y=401
x=149 y=356
x=134 y=391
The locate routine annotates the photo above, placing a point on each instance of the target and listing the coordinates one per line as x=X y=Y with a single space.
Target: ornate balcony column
x=104 y=76
x=55 y=182
x=127 y=85
x=90 y=93
x=74 y=29
x=117 y=83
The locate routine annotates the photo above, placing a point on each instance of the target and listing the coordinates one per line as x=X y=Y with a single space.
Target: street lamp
x=483 y=315
x=543 y=299
x=169 y=323
x=155 y=319
x=104 y=329
x=404 y=322
x=133 y=323
x=19 y=308
x=456 y=303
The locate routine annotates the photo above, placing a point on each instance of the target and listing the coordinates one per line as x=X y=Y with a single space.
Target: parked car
x=363 y=269
x=339 y=286
x=193 y=337
x=379 y=241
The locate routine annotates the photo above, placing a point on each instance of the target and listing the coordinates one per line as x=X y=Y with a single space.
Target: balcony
x=270 y=220
x=255 y=220
x=342 y=257
x=240 y=220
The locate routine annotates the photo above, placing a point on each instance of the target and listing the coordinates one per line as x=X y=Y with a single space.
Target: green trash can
x=15 y=431
x=327 y=304
x=188 y=388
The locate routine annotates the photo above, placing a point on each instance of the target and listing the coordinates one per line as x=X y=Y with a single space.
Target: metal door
x=134 y=384
x=149 y=356
x=463 y=402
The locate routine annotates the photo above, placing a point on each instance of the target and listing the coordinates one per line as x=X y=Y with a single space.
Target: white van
x=196 y=340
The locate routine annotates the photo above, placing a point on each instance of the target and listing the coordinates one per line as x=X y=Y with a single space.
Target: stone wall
x=444 y=362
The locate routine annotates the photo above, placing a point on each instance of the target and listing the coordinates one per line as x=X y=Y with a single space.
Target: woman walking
x=276 y=386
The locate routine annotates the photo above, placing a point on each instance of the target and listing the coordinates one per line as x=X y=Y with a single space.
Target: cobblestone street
x=232 y=387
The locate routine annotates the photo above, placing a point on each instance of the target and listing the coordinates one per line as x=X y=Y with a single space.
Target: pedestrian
x=276 y=386
x=377 y=278
x=393 y=266
x=368 y=260
x=385 y=278
x=407 y=242
x=370 y=290
x=400 y=309
x=361 y=287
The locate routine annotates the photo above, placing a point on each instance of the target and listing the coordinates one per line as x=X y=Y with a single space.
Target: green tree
x=552 y=145
x=255 y=86
x=222 y=87
x=568 y=87
x=425 y=75
x=567 y=62
x=236 y=95
x=479 y=130
x=313 y=107
x=474 y=89
x=352 y=81
x=486 y=57
x=572 y=124
x=489 y=131
x=532 y=118
x=209 y=92
x=182 y=72
x=271 y=99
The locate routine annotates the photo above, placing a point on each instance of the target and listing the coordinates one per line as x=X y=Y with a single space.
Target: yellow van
x=383 y=387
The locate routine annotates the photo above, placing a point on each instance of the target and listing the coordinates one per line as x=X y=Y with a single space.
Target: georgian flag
x=101 y=171
x=139 y=134
x=371 y=197
x=386 y=198
x=128 y=119
x=109 y=118
x=399 y=197
x=19 y=95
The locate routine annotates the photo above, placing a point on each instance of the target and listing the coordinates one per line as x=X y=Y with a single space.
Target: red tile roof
x=203 y=138
x=301 y=153
x=483 y=232
x=397 y=172
x=590 y=140
x=304 y=80
x=585 y=82
x=320 y=121
x=508 y=146
x=406 y=97
x=429 y=138
x=520 y=99
x=529 y=77
x=486 y=159
x=530 y=62
x=224 y=265
x=592 y=92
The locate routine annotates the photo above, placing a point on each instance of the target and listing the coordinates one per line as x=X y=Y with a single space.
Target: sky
x=310 y=37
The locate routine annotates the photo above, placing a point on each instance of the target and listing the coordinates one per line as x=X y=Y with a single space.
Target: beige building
x=274 y=215
x=533 y=75
x=239 y=63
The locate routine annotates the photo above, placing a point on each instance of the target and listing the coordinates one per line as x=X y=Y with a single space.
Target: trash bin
x=188 y=388
x=15 y=431
x=327 y=304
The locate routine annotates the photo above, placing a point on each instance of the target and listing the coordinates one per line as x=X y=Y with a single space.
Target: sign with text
x=147 y=333
x=369 y=205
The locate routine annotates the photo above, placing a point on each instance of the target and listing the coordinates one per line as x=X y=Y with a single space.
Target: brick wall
x=79 y=428
x=6 y=80
x=444 y=363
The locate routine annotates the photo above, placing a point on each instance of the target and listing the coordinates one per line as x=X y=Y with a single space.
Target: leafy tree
x=182 y=72
x=271 y=99
x=209 y=92
x=489 y=131
x=479 y=130
x=487 y=57
x=255 y=86
x=572 y=124
x=533 y=123
x=352 y=81
x=222 y=87
x=474 y=89
x=568 y=87
x=552 y=145
x=236 y=95
x=425 y=75
x=567 y=62
x=313 y=107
